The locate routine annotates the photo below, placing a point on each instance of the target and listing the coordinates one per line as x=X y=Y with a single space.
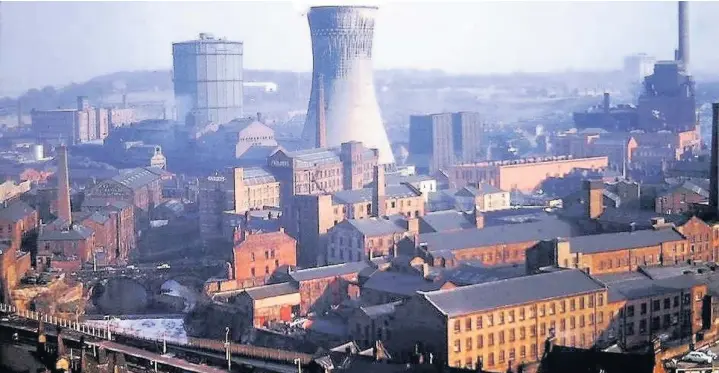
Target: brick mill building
x=523 y=174
x=257 y=256
x=504 y=323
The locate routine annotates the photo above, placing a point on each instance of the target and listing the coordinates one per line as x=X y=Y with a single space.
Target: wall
x=258 y=256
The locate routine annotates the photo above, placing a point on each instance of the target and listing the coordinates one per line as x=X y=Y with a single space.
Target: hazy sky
x=51 y=43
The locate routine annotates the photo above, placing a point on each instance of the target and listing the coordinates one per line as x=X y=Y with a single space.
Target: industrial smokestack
x=683 y=28
x=605 y=103
x=63 y=186
x=714 y=174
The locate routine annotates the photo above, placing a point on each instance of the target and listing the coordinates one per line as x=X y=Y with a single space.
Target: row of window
x=522 y=333
x=667 y=303
x=520 y=314
x=253 y=273
x=525 y=353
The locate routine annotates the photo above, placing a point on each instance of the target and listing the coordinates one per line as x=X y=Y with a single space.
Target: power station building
x=342 y=77
x=207 y=74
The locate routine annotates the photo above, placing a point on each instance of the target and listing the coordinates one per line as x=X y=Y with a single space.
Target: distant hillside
x=114 y=84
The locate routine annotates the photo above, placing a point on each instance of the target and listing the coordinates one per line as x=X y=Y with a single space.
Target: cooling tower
x=342 y=63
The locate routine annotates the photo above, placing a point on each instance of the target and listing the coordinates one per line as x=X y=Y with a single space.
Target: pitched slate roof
x=135 y=178
x=599 y=243
x=328 y=271
x=15 y=211
x=444 y=221
x=446 y=242
x=646 y=287
x=78 y=232
x=345 y=197
x=373 y=227
x=399 y=283
x=270 y=291
x=380 y=309
x=257 y=175
x=515 y=291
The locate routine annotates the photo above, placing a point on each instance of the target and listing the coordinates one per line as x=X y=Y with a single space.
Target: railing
x=249 y=351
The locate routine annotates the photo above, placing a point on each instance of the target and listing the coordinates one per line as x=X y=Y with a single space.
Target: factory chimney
x=605 y=103
x=379 y=199
x=63 y=186
x=682 y=53
x=714 y=174
x=321 y=141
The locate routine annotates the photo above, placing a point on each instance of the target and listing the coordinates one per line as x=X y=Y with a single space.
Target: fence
x=260 y=353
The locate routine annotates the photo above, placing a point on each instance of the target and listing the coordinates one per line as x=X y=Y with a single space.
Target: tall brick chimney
x=714 y=172
x=63 y=186
x=594 y=198
x=379 y=199
x=321 y=136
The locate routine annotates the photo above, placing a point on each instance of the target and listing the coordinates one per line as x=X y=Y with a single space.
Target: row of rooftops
x=313 y=157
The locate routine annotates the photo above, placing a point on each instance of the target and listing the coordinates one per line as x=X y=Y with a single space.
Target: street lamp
x=227 y=346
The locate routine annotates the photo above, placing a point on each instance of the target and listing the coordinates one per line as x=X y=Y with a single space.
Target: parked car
x=697 y=357
x=709 y=353
x=163 y=266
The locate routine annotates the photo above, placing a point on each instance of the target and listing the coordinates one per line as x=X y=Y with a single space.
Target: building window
x=522 y=333
x=457 y=326
x=676 y=301
x=510 y=316
x=490 y=339
x=551 y=308
x=501 y=337
x=480 y=341
x=572 y=324
x=521 y=314
x=562 y=305
x=267 y=270
x=667 y=303
x=542 y=329
x=490 y=359
x=267 y=255
x=600 y=317
x=533 y=331
x=272 y=253
x=468 y=344
x=457 y=345
x=511 y=335
x=501 y=318
x=591 y=301
x=643 y=309
x=468 y=324
x=600 y=300
x=479 y=322
x=511 y=354
x=655 y=305
x=490 y=320
x=562 y=325
x=252 y=272
x=581 y=303
x=642 y=326
x=252 y=257
x=523 y=352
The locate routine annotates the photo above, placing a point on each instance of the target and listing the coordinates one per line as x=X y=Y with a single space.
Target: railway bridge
x=226 y=355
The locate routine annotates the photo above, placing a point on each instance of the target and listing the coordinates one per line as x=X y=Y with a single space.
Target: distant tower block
x=342 y=55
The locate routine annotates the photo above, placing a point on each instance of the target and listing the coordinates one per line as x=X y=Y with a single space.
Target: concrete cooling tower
x=342 y=64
